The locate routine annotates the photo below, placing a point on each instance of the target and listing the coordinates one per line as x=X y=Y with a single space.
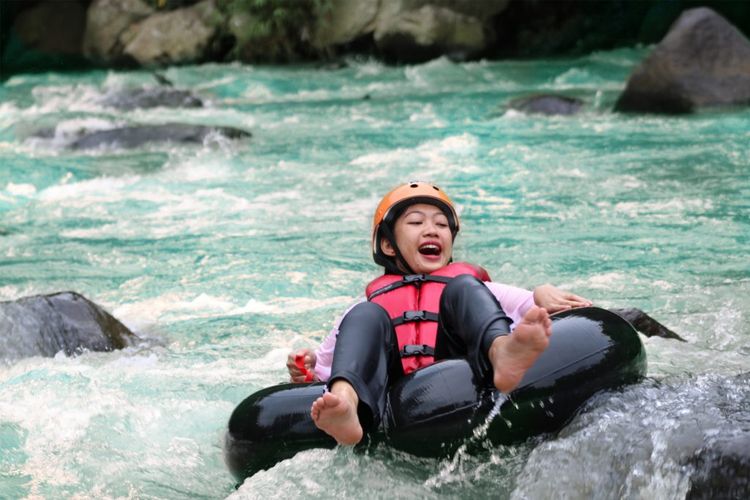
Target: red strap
x=299 y=360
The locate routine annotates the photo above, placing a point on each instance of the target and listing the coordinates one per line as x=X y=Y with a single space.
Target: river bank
x=42 y=35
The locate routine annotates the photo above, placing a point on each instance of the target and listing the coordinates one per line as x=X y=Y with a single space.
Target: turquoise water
x=226 y=255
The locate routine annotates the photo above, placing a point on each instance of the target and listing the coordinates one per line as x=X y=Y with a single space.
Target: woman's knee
x=457 y=289
x=368 y=313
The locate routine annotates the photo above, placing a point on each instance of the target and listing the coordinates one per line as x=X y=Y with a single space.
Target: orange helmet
x=394 y=203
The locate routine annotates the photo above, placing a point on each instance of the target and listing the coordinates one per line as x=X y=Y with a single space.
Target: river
x=226 y=255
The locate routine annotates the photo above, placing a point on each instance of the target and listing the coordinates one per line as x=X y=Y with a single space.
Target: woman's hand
x=555 y=300
x=301 y=366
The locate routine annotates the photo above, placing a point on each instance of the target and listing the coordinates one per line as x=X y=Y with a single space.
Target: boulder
x=547 y=104
x=129 y=136
x=150 y=97
x=66 y=322
x=702 y=61
x=134 y=136
x=428 y=32
x=418 y=30
x=106 y=20
x=722 y=468
x=409 y=30
x=52 y=27
x=175 y=37
x=344 y=21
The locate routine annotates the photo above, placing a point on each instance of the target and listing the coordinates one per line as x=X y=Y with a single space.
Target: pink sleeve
x=514 y=301
x=324 y=352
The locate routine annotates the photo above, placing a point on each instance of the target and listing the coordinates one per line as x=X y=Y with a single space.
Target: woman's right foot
x=513 y=354
x=335 y=413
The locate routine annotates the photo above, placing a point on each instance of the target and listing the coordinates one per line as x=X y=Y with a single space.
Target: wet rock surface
x=134 y=136
x=547 y=104
x=703 y=61
x=67 y=322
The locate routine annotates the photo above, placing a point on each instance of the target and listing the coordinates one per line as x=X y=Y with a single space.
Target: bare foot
x=513 y=354
x=335 y=413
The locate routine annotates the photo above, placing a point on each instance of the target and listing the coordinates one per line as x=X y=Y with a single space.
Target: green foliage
x=273 y=30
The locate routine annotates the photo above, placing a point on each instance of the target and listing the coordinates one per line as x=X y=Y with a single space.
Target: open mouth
x=430 y=249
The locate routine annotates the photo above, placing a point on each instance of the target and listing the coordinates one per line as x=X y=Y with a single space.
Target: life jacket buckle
x=410 y=350
x=413 y=278
x=415 y=316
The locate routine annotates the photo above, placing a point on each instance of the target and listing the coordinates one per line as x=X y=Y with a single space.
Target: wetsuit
x=367 y=354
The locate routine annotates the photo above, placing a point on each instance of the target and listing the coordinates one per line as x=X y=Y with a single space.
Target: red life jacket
x=413 y=302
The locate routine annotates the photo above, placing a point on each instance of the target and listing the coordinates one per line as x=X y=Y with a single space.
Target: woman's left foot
x=335 y=413
x=513 y=354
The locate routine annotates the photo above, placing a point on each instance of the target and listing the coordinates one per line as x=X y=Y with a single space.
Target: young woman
x=424 y=308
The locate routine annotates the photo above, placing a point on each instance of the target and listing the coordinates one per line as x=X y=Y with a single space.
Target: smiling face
x=424 y=238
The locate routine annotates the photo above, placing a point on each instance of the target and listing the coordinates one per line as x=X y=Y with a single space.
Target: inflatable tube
x=433 y=411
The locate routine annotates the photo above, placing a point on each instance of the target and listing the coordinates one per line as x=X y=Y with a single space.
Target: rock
x=344 y=21
x=175 y=37
x=134 y=136
x=103 y=134
x=151 y=97
x=646 y=324
x=409 y=30
x=702 y=61
x=428 y=32
x=547 y=104
x=67 y=322
x=722 y=469
x=106 y=20
x=52 y=27
x=163 y=95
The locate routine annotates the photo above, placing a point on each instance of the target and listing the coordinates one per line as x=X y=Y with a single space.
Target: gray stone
x=344 y=21
x=720 y=468
x=703 y=61
x=428 y=32
x=151 y=97
x=106 y=20
x=52 y=26
x=66 y=322
x=410 y=30
x=645 y=324
x=175 y=37
x=547 y=104
x=138 y=135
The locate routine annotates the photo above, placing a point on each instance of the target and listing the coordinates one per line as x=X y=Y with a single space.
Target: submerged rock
x=67 y=322
x=679 y=437
x=547 y=104
x=151 y=97
x=721 y=469
x=133 y=136
x=703 y=61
